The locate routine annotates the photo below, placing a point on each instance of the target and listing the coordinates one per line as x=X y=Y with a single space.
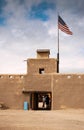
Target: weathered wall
x=49 y=65
x=68 y=91
x=38 y=82
x=11 y=91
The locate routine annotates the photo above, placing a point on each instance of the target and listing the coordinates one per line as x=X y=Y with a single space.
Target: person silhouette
x=44 y=101
x=47 y=101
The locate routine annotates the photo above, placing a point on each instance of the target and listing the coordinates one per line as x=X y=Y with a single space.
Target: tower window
x=41 y=71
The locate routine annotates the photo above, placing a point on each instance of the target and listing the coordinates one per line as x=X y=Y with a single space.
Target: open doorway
x=41 y=100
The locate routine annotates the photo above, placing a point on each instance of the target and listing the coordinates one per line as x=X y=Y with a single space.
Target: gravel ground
x=42 y=120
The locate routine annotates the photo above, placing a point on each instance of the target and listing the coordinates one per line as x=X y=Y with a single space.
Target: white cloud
x=21 y=37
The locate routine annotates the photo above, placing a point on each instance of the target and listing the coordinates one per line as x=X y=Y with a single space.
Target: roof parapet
x=43 y=53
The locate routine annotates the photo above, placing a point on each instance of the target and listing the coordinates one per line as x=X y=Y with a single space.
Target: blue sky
x=28 y=25
x=39 y=11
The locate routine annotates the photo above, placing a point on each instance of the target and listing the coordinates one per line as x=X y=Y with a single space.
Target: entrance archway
x=40 y=100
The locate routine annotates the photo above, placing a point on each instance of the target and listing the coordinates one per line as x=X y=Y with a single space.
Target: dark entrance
x=40 y=100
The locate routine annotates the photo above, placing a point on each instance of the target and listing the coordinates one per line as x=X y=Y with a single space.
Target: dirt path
x=42 y=120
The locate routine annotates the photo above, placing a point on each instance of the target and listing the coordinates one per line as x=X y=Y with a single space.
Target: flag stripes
x=63 y=26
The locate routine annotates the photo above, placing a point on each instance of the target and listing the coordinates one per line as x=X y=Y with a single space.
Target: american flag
x=63 y=26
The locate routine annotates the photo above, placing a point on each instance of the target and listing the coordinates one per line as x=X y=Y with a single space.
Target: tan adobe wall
x=68 y=91
x=49 y=65
x=37 y=82
x=43 y=53
x=11 y=91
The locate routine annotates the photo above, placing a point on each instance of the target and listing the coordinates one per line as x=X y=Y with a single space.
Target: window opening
x=41 y=71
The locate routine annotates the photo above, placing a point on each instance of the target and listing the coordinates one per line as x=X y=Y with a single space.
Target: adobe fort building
x=41 y=80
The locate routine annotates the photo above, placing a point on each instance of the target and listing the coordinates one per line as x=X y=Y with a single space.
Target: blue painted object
x=25 y=105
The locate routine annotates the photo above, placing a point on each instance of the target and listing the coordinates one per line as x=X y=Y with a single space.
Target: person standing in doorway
x=47 y=101
x=44 y=101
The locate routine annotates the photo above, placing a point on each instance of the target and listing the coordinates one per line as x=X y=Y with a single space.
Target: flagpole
x=63 y=27
x=58 y=49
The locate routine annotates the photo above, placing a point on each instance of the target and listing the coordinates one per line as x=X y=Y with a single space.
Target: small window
x=10 y=76
x=41 y=71
x=68 y=76
x=21 y=76
x=1 y=76
x=79 y=77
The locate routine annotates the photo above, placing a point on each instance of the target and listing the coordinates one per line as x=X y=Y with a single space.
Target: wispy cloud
x=26 y=25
